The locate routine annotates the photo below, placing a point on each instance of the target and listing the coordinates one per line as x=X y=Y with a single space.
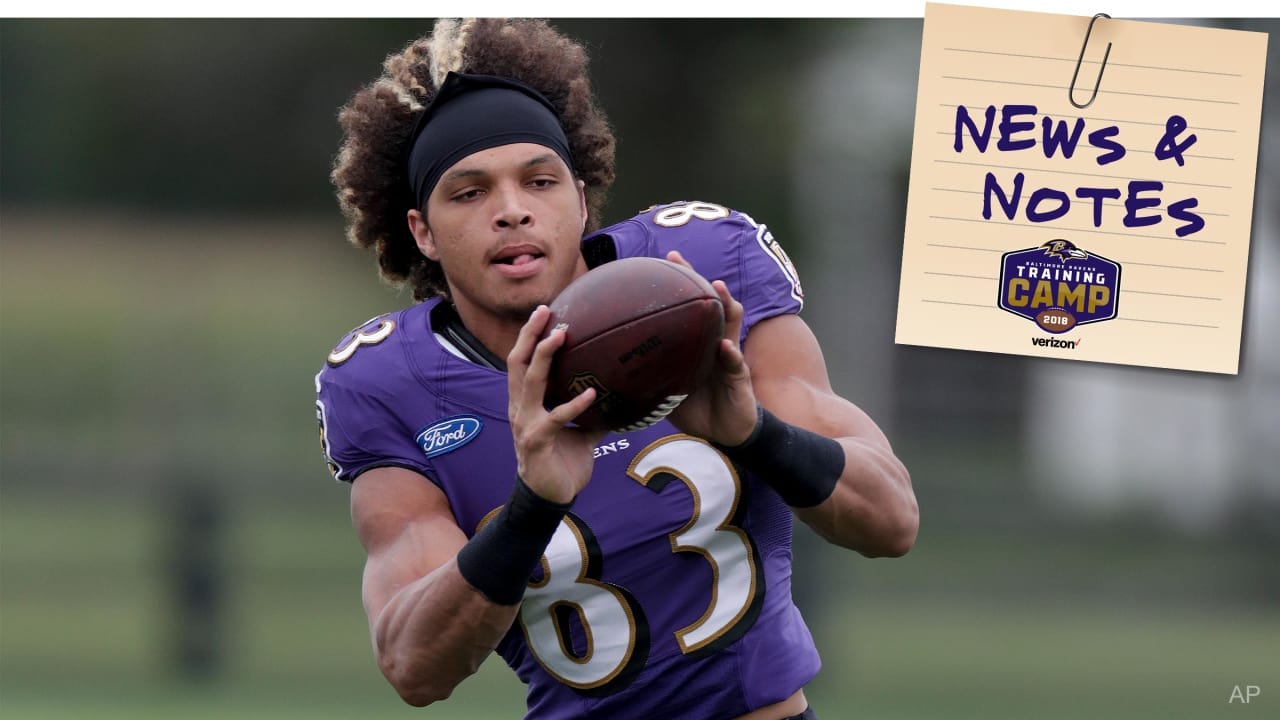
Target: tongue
x=522 y=259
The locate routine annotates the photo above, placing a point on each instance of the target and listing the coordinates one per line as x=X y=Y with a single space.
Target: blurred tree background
x=173 y=270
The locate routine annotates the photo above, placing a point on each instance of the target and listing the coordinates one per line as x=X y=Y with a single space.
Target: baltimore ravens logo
x=1064 y=250
x=784 y=262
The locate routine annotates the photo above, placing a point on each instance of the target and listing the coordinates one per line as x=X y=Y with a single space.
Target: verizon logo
x=1056 y=343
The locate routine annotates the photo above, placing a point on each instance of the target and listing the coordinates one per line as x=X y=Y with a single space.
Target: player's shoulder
x=684 y=221
x=720 y=242
x=371 y=355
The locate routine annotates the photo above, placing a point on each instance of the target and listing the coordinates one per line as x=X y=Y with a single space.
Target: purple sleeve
x=770 y=284
x=360 y=427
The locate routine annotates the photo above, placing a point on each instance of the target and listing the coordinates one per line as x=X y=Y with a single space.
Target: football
x=643 y=332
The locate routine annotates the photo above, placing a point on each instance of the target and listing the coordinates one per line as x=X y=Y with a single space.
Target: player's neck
x=498 y=329
x=497 y=333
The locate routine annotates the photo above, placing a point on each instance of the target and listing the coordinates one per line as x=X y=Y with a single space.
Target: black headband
x=471 y=113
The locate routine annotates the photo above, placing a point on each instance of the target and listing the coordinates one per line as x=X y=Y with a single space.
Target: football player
x=621 y=576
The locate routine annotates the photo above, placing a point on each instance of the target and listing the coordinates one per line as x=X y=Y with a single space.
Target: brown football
x=643 y=332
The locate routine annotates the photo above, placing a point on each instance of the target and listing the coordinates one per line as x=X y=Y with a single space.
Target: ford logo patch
x=448 y=434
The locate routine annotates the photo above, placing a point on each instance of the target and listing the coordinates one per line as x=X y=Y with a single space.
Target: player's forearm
x=435 y=632
x=872 y=508
x=440 y=628
x=851 y=490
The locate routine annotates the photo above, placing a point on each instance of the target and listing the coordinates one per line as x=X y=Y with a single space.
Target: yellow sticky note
x=1117 y=232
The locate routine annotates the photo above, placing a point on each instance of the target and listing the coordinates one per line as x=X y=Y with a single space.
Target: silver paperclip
x=1071 y=90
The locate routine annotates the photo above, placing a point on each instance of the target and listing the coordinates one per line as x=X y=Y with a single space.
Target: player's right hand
x=554 y=460
x=723 y=408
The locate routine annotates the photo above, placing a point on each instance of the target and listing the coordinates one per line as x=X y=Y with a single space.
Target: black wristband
x=499 y=559
x=802 y=466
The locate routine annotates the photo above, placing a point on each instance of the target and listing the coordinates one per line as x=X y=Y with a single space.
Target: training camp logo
x=1059 y=286
x=448 y=434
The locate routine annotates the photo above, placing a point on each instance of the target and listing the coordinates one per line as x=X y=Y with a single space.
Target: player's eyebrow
x=463 y=174
x=540 y=160
x=469 y=173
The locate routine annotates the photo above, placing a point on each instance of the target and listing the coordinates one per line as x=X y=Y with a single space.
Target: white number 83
x=612 y=622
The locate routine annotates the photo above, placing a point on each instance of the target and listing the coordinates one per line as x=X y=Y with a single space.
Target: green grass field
x=86 y=632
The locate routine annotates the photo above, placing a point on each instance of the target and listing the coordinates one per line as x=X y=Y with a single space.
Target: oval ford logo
x=448 y=434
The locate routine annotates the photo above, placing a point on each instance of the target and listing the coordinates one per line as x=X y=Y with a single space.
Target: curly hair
x=369 y=172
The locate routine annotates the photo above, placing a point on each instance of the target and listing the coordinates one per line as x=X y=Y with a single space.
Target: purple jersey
x=666 y=590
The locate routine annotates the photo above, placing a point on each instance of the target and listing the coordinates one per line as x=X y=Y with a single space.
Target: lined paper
x=1183 y=105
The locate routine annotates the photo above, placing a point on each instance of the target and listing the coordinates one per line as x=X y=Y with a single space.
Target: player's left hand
x=723 y=409
x=552 y=457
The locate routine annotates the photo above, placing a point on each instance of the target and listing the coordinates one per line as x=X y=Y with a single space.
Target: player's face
x=505 y=224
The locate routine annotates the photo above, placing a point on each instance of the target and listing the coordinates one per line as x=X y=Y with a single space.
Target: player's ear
x=422 y=235
x=582 y=202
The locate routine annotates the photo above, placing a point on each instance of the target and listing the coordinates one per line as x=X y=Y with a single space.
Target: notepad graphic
x=1117 y=232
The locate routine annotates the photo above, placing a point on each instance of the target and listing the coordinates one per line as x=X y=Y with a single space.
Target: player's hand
x=723 y=409
x=555 y=461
